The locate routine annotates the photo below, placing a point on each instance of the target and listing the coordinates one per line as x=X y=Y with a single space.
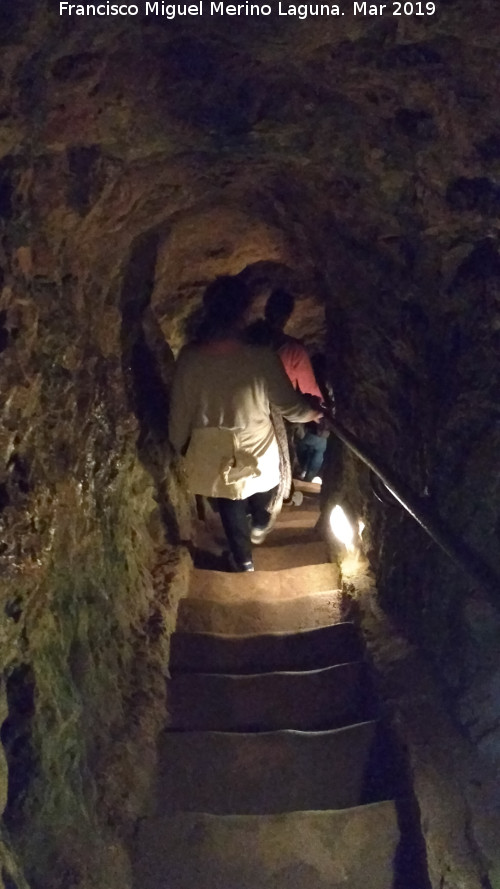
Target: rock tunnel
x=352 y=158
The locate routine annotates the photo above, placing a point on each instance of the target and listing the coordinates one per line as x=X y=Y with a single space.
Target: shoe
x=237 y=567
x=245 y=566
x=259 y=534
x=298 y=498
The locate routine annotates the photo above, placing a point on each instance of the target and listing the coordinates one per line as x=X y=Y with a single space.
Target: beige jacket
x=220 y=418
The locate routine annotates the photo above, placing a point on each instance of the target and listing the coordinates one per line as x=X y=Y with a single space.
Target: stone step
x=292 y=538
x=293 y=533
x=308 y=650
x=229 y=773
x=300 y=484
x=285 y=583
x=313 y=701
x=290 y=555
x=257 y=617
x=348 y=849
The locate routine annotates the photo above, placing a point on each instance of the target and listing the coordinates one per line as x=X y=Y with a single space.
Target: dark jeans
x=234 y=516
x=311 y=450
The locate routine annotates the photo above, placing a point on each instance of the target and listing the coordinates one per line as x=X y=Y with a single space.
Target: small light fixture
x=341 y=527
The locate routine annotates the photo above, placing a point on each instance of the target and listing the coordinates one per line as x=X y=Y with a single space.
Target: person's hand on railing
x=330 y=399
x=317 y=408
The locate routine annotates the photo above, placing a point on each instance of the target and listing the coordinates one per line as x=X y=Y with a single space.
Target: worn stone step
x=285 y=583
x=304 y=517
x=231 y=773
x=314 y=488
x=290 y=555
x=257 y=617
x=313 y=701
x=308 y=650
x=348 y=849
x=292 y=533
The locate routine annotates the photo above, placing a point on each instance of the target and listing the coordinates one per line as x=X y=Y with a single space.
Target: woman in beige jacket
x=220 y=416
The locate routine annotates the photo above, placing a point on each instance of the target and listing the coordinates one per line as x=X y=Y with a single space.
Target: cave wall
x=137 y=160
x=84 y=618
x=414 y=352
x=420 y=389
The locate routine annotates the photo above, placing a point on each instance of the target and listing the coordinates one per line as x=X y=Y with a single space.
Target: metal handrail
x=461 y=553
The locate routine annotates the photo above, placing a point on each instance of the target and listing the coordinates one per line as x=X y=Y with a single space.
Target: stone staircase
x=268 y=768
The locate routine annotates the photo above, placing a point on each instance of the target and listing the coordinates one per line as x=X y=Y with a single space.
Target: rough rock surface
x=455 y=789
x=355 y=160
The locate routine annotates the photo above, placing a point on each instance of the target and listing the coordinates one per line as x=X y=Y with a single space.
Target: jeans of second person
x=311 y=450
x=234 y=516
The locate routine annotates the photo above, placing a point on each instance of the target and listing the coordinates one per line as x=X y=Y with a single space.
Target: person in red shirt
x=298 y=367
x=269 y=331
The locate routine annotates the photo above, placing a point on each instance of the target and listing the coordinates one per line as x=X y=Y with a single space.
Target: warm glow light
x=341 y=527
x=361 y=527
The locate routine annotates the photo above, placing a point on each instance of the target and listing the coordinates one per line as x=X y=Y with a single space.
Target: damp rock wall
x=421 y=394
x=88 y=588
x=419 y=384
x=90 y=569
x=357 y=160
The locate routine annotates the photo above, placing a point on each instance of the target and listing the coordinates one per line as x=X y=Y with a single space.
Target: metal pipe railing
x=460 y=553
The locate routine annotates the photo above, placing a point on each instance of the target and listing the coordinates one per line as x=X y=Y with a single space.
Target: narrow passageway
x=273 y=772
x=351 y=160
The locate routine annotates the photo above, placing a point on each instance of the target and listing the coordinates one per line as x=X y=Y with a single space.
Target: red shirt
x=298 y=367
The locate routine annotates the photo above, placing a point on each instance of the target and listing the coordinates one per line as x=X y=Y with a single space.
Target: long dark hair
x=224 y=305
